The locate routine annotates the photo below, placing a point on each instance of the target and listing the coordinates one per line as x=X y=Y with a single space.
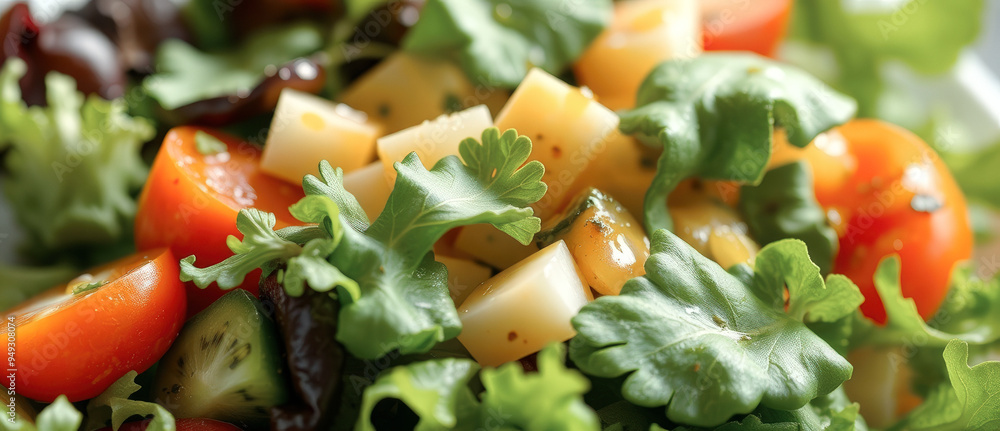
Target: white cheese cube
x=464 y=276
x=433 y=140
x=369 y=186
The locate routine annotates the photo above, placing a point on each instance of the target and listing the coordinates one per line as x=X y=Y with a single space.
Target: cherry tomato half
x=182 y=425
x=744 y=25
x=190 y=202
x=79 y=338
x=886 y=192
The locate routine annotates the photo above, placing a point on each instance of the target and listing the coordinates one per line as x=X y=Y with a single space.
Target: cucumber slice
x=224 y=365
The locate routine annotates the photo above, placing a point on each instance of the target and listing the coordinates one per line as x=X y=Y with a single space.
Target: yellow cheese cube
x=487 y=244
x=642 y=34
x=369 y=186
x=522 y=309
x=404 y=90
x=435 y=139
x=463 y=276
x=567 y=127
x=307 y=129
x=624 y=171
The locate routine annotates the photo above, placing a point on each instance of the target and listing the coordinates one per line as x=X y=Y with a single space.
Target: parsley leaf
x=497 y=41
x=72 y=166
x=715 y=115
x=114 y=405
x=970 y=402
x=784 y=206
x=688 y=327
x=438 y=392
x=58 y=416
x=185 y=75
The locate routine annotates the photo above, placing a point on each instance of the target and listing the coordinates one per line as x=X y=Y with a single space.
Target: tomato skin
x=190 y=202
x=80 y=346
x=742 y=25
x=182 y=425
x=879 y=173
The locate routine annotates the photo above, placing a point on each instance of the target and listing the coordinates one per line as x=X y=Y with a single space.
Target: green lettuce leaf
x=715 y=116
x=706 y=345
x=784 y=206
x=928 y=36
x=114 y=406
x=58 y=416
x=496 y=42
x=438 y=392
x=71 y=167
x=833 y=412
x=185 y=75
x=970 y=402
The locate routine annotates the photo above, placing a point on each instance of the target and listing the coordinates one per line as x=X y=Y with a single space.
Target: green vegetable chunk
x=970 y=402
x=115 y=406
x=73 y=166
x=497 y=41
x=715 y=116
x=708 y=344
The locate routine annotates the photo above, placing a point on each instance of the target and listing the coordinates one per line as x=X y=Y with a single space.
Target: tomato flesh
x=190 y=202
x=743 y=25
x=79 y=344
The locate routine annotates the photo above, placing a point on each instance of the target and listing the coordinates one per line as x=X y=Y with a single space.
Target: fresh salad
x=493 y=215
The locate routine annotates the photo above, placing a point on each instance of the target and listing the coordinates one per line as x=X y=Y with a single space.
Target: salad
x=493 y=215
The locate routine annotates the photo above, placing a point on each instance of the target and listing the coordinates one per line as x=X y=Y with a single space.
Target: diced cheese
x=624 y=170
x=524 y=308
x=489 y=245
x=435 y=139
x=404 y=90
x=567 y=128
x=307 y=129
x=369 y=186
x=642 y=34
x=463 y=276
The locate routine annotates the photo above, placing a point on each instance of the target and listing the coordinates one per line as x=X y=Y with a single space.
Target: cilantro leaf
x=330 y=183
x=688 y=325
x=115 y=406
x=438 y=392
x=404 y=299
x=970 y=402
x=58 y=416
x=784 y=206
x=72 y=166
x=927 y=36
x=185 y=75
x=715 y=116
x=832 y=412
x=496 y=42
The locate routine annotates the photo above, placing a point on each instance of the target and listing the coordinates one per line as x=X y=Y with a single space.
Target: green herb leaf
x=832 y=412
x=497 y=41
x=971 y=402
x=59 y=416
x=115 y=406
x=438 y=392
x=330 y=183
x=688 y=327
x=185 y=75
x=784 y=206
x=207 y=144
x=72 y=166
x=715 y=116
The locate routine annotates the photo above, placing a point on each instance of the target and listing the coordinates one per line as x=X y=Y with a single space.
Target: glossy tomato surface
x=190 y=202
x=743 y=25
x=80 y=343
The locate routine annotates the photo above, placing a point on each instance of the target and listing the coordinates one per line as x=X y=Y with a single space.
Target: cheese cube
x=307 y=129
x=463 y=276
x=567 y=127
x=435 y=139
x=522 y=309
x=487 y=244
x=369 y=186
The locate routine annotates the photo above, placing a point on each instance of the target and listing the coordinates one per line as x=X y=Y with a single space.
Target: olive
x=19 y=34
x=72 y=46
x=136 y=26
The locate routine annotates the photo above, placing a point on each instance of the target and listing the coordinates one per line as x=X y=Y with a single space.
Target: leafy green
x=715 y=117
x=833 y=412
x=970 y=402
x=393 y=294
x=115 y=406
x=72 y=166
x=784 y=206
x=928 y=36
x=706 y=345
x=438 y=392
x=497 y=41
x=58 y=416
x=208 y=144
x=185 y=75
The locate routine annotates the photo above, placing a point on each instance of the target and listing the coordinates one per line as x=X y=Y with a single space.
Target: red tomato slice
x=744 y=25
x=190 y=202
x=78 y=344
